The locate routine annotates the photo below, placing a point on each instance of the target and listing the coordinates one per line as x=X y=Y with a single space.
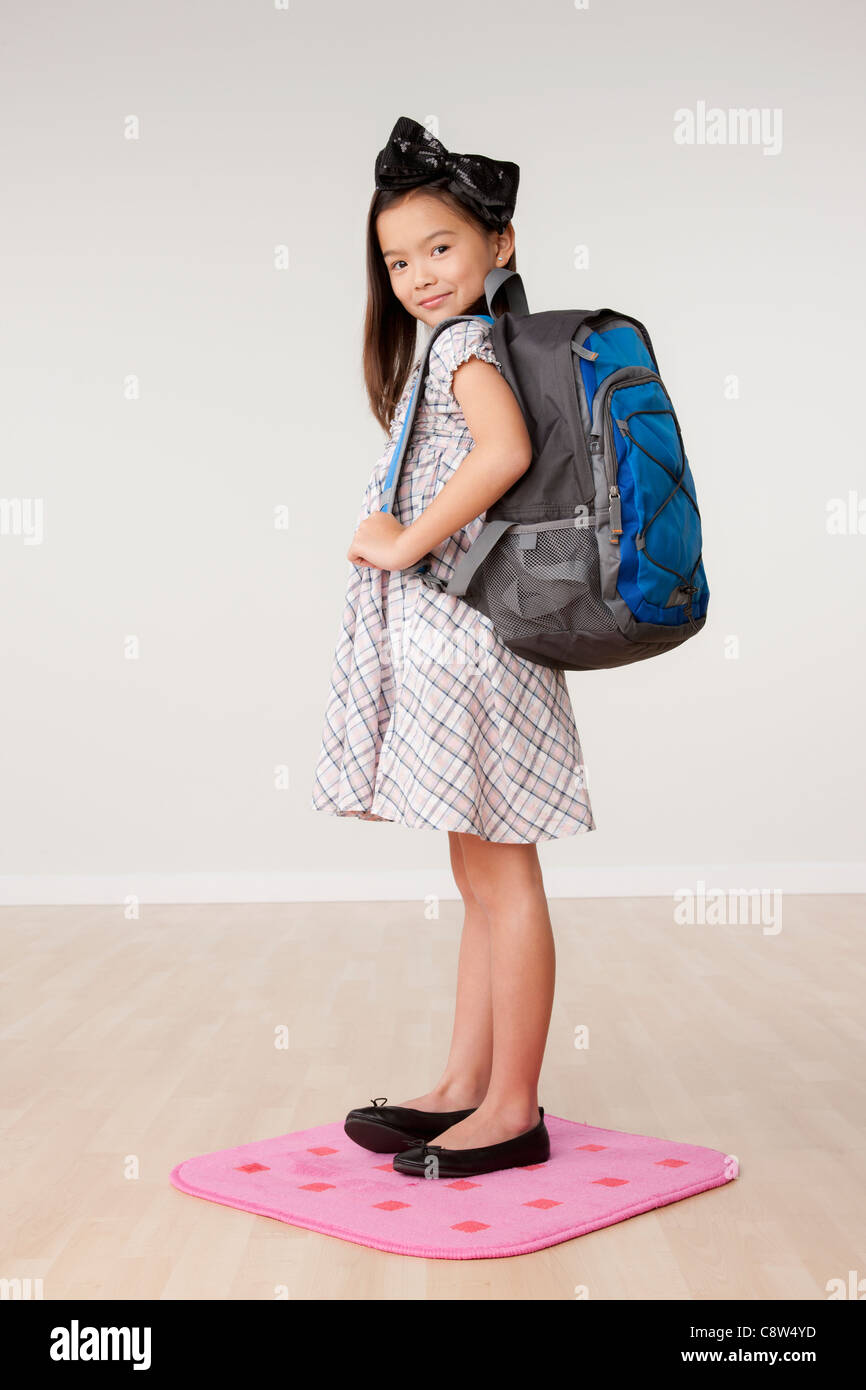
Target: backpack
x=592 y=558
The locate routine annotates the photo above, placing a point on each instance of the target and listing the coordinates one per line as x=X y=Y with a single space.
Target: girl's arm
x=501 y=454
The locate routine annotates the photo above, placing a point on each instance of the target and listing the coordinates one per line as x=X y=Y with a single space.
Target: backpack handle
x=515 y=294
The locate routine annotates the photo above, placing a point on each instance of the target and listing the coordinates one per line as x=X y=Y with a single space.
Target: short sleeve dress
x=430 y=720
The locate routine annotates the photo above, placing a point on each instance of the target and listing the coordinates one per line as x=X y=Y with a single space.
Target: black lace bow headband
x=413 y=156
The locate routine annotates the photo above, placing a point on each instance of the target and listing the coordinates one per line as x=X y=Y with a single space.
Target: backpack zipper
x=633 y=376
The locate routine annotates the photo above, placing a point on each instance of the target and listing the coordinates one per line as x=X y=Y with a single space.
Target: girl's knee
x=498 y=873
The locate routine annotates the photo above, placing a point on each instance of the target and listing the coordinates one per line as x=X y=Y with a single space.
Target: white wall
x=153 y=259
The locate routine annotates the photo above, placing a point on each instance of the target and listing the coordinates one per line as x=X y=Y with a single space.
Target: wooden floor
x=130 y=1045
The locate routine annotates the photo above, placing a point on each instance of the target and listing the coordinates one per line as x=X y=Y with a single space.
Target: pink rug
x=318 y=1178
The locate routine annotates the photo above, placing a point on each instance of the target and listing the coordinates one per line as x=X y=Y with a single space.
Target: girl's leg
x=507 y=881
x=467 y=1071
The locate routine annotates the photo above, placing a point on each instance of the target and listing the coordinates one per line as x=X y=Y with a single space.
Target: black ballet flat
x=520 y=1152
x=388 y=1129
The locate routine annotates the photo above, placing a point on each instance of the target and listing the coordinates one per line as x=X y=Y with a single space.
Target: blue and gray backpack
x=593 y=557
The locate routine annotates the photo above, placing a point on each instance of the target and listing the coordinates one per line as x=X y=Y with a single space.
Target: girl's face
x=431 y=254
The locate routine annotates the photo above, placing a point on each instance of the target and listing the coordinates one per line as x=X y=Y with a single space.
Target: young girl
x=430 y=720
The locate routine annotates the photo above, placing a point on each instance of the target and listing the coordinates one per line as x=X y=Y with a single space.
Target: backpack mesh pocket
x=544 y=578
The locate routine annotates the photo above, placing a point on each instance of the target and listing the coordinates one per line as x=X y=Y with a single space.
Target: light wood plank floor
x=131 y=1044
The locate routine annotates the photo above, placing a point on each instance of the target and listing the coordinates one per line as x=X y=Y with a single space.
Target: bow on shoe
x=374 y=1100
x=414 y=156
x=427 y=1148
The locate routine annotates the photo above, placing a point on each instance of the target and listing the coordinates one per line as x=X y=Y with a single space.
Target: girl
x=430 y=720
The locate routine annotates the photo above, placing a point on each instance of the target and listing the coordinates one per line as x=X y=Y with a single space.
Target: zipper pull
x=615 y=514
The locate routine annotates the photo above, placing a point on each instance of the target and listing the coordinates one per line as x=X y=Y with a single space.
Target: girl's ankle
x=460 y=1095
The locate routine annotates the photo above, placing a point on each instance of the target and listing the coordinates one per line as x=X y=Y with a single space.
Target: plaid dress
x=429 y=719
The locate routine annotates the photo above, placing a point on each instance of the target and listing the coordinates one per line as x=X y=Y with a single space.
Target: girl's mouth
x=431 y=303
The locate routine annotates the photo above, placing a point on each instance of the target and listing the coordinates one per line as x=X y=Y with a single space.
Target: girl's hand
x=379 y=541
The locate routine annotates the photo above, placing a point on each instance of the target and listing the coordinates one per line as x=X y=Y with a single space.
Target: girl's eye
x=441 y=247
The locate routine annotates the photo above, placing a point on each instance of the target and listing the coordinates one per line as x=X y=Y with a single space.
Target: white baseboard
x=412 y=885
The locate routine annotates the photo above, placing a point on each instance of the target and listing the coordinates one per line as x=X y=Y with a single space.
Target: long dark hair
x=390 y=333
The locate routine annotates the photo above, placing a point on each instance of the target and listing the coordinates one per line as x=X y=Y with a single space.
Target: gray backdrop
x=185 y=187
